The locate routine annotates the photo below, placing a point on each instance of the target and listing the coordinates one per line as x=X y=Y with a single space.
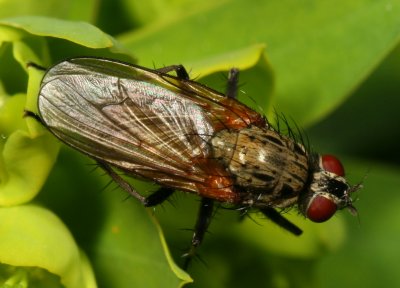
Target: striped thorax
x=269 y=168
x=272 y=170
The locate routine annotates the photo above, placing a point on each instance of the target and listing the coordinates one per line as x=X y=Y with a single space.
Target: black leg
x=28 y=113
x=158 y=196
x=36 y=66
x=278 y=219
x=121 y=182
x=179 y=69
x=202 y=223
x=232 y=86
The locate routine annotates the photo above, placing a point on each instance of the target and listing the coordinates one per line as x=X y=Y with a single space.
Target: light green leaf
x=78 y=32
x=20 y=177
x=243 y=59
x=31 y=238
x=9 y=106
x=26 y=158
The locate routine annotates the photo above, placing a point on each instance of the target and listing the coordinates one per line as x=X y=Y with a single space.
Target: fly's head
x=328 y=191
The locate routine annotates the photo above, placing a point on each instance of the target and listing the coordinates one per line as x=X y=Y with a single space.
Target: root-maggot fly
x=185 y=136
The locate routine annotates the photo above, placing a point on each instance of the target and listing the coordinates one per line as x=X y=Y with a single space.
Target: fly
x=185 y=136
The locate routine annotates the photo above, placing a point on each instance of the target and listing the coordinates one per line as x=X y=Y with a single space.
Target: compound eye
x=332 y=164
x=321 y=208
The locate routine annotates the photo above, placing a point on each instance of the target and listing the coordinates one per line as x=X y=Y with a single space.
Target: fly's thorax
x=270 y=169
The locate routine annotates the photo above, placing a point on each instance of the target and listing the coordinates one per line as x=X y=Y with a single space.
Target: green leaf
x=129 y=245
x=141 y=13
x=26 y=157
x=31 y=237
x=370 y=255
x=28 y=153
x=68 y=38
x=73 y=10
x=121 y=237
x=366 y=126
x=21 y=180
x=10 y=106
x=243 y=59
x=256 y=252
x=81 y=33
x=316 y=54
x=320 y=50
x=254 y=67
x=315 y=241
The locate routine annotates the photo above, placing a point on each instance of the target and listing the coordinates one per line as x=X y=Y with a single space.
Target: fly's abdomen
x=269 y=169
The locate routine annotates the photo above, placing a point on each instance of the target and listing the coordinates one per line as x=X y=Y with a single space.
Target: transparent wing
x=142 y=121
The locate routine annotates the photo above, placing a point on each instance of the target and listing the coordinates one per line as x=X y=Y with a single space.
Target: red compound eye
x=321 y=209
x=332 y=164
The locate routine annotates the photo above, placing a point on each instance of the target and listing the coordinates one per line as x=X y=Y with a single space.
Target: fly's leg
x=232 y=85
x=156 y=198
x=233 y=78
x=121 y=182
x=36 y=66
x=28 y=113
x=278 y=219
x=179 y=70
x=202 y=223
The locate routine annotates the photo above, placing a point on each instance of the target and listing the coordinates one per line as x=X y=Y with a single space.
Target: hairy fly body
x=185 y=136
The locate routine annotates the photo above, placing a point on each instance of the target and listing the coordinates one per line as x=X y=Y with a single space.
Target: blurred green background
x=333 y=67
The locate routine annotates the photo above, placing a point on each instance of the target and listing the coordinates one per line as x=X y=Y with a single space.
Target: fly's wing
x=115 y=112
x=224 y=112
